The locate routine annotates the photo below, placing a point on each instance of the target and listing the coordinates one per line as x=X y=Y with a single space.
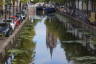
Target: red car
x=15 y=20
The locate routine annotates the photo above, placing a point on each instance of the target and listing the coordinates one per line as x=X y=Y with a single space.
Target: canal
x=49 y=42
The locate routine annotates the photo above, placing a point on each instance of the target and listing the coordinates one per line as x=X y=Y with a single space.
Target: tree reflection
x=73 y=49
x=51 y=41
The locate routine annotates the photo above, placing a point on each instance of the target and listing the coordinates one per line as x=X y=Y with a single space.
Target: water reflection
x=71 y=49
x=48 y=48
x=51 y=41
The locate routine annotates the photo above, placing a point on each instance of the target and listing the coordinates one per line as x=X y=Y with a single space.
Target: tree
x=1 y=7
x=22 y=2
x=13 y=5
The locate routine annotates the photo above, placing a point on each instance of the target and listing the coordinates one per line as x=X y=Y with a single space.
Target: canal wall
x=81 y=24
x=81 y=30
x=10 y=42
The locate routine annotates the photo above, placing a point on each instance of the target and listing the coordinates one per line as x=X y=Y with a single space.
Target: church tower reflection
x=51 y=41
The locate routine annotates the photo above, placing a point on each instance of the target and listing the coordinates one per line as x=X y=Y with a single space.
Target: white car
x=13 y=25
x=23 y=16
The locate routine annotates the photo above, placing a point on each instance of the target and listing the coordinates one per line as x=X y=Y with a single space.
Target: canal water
x=48 y=48
x=54 y=45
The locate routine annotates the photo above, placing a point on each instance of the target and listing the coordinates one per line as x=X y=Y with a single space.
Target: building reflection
x=51 y=41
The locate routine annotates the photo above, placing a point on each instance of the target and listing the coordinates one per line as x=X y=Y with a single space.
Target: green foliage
x=25 y=50
x=56 y=1
x=24 y=1
x=16 y=51
x=7 y=2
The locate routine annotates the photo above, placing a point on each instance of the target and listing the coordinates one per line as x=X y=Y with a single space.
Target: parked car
x=5 y=29
x=16 y=20
x=13 y=21
x=21 y=16
x=10 y=22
